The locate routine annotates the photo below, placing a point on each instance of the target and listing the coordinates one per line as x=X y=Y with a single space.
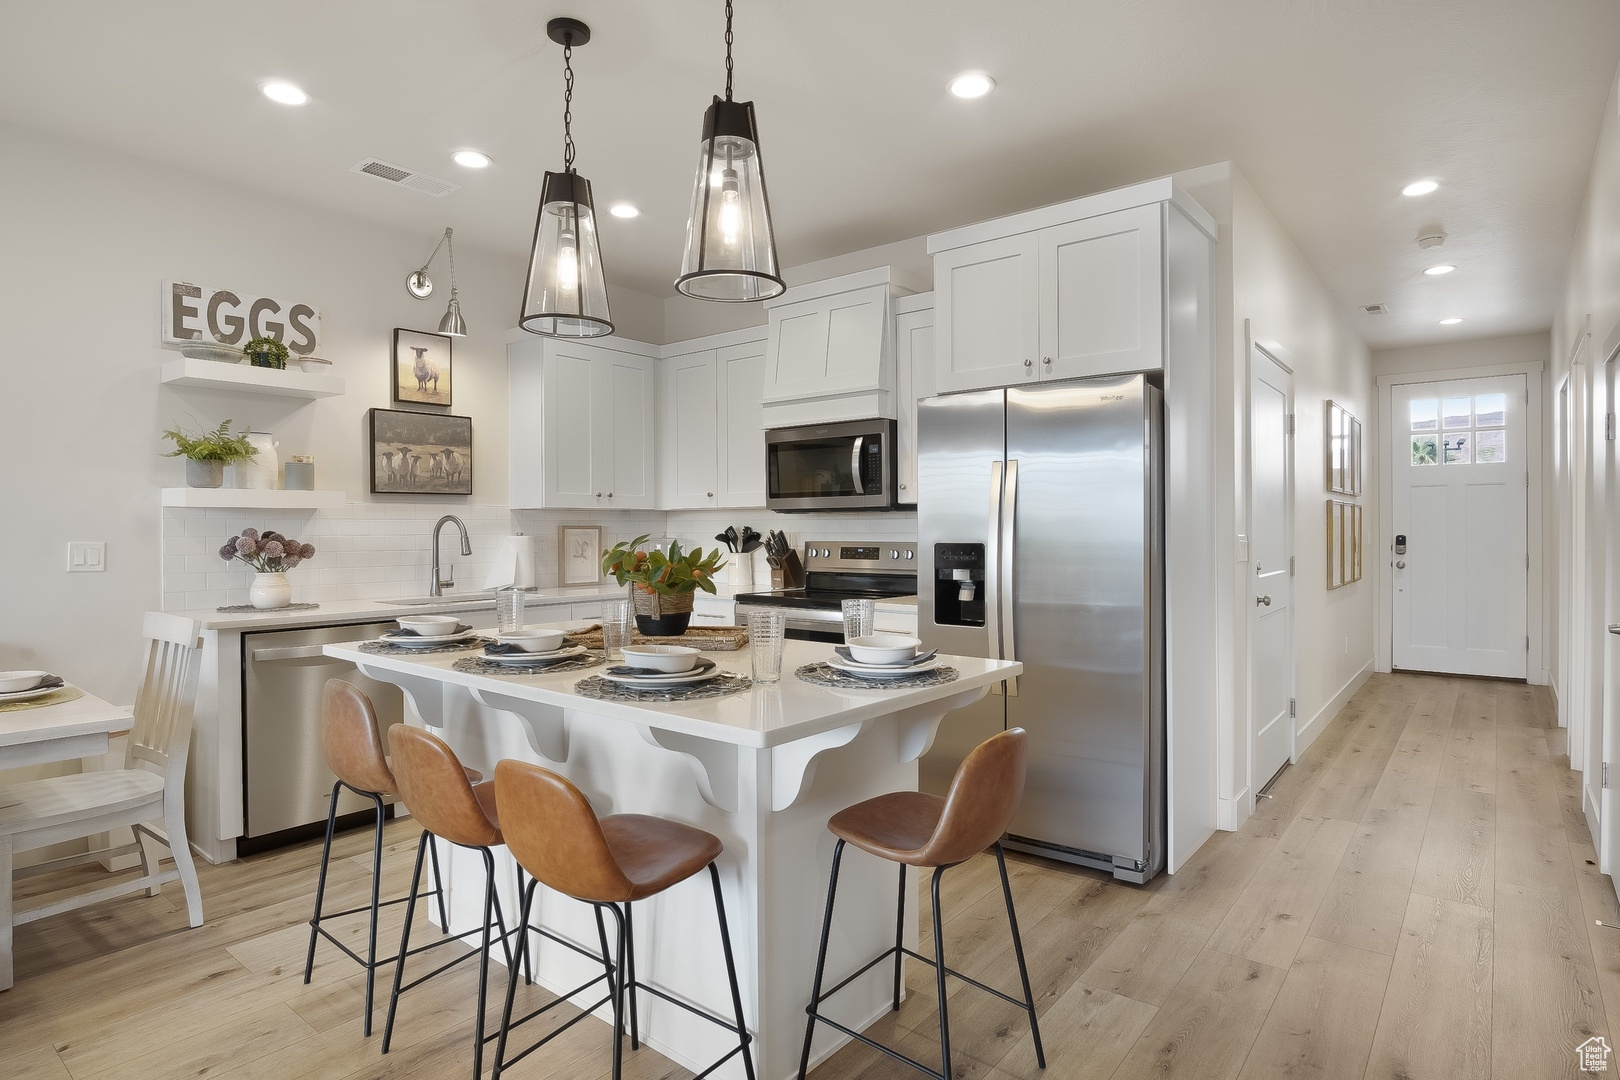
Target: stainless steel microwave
x=845 y=466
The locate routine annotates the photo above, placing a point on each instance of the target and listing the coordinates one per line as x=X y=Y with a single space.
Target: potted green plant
x=266 y=352
x=208 y=452
x=662 y=582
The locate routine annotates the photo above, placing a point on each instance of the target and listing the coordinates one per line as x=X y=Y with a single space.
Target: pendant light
x=730 y=244
x=565 y=295
x=419 y=285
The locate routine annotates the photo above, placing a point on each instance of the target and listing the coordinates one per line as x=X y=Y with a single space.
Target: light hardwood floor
x=1416 y=900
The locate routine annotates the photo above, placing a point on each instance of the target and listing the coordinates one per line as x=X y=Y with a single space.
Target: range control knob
x=894 y=553
x=910 y=554
x=825 y=554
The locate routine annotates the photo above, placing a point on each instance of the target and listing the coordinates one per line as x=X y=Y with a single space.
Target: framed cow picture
x=421 y=367
x=417 y=453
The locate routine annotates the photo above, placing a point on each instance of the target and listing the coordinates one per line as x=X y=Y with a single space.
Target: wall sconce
x=419 y=285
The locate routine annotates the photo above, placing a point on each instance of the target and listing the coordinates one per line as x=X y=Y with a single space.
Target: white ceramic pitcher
x=262 y=471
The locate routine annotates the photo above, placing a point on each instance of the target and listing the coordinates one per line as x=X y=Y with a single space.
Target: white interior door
x=1271 y=612
x=1461 y=497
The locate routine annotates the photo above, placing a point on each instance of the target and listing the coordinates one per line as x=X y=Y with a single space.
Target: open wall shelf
x=244 y=378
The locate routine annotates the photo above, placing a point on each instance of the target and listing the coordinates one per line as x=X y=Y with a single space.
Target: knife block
x=790 y=575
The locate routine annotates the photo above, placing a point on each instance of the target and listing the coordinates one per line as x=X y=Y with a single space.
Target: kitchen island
x=763 y=770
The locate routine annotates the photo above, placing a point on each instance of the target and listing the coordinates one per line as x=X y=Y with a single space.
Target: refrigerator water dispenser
x=959 y=584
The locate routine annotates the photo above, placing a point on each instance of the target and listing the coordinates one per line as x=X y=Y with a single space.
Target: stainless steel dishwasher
x=286 y=781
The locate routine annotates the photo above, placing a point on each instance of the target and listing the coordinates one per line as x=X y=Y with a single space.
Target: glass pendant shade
x=566 y=295
x=730 y=245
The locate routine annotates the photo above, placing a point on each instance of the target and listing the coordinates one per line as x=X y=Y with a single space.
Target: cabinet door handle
x=610 y=494
x=598 y=494
x=1029 y=363
x=710 y=494
x=1047 y=360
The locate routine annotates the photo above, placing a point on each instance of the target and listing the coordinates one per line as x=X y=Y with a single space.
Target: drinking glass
x=508 y=610
x=767 y=628
x=617 y=620
x=858 y=616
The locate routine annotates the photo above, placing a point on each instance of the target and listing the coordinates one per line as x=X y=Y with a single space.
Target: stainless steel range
x=836 y=571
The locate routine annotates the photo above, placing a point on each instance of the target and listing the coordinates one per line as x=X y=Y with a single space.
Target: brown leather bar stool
x=449 y=806
x=556 y=836
x=916 y=829
x=353 y=744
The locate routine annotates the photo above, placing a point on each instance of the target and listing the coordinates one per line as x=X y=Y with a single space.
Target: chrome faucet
x=435 y=586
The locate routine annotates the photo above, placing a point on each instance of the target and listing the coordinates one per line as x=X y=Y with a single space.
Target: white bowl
x=673 y=659
x=430 y=625
x=883 y=648
x=532 y=640
x=314 y=365
x=15 y=682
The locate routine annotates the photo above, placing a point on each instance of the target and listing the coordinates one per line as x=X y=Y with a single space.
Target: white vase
x=261 y=471
x=270 y=591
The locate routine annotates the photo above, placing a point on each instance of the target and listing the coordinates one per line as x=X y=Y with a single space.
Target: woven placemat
x=388 y=648
x=704 y=638
x=67 y=693
x=230 y=609
x=724 y=685
x=482 y=665
x=826 y=675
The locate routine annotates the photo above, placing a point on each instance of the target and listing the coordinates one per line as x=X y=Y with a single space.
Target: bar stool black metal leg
x=525 y=906
x=607 y=954
x=376 y=902
x=618 y=992
x=483 y=962
x=939 y=979
x=438 y=887
x=320 y=882
x=1018 y=950
x=731 y=971
x=523 y=932
x=821 y=960
x=404 y=941
x=899 y=936
x=630 y=962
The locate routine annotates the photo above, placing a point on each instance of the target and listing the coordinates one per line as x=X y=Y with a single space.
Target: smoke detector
x=1431 y=236
x=1376 y=309
x=399 y=176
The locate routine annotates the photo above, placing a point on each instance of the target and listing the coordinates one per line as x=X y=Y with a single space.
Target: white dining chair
x=147 y=794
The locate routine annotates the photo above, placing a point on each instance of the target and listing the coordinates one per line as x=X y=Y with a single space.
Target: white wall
x=1479 y=352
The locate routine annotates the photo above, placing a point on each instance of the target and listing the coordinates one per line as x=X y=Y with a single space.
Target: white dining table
x=79 y=728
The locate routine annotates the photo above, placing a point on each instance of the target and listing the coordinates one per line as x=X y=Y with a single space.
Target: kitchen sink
x=439 y=601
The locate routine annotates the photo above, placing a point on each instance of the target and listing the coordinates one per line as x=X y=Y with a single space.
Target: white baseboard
x=1230 y=814
x=1304 y=736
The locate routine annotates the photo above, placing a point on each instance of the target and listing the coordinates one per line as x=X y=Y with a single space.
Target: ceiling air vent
x=1376 y=309
x=389 y=173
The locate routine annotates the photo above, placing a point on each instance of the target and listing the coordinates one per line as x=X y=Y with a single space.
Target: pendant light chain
x=728 y=50
x=568 y=104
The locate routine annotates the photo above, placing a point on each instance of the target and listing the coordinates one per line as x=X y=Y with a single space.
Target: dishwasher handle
x=294 y=652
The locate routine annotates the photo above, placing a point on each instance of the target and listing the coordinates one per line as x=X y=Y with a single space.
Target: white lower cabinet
x=582 y=425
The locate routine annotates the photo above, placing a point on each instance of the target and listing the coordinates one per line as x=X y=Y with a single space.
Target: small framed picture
x=421 y=367
x=415 y=453
x=579 y=554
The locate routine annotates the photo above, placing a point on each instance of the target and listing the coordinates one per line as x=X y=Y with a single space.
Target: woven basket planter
x=660 y=615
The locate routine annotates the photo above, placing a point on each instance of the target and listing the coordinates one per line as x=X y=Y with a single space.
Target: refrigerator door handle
x=1009 y=540
x=992 y=569
x=855 y=465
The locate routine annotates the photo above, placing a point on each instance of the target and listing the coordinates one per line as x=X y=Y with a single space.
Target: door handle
x=855 y=465
x=1262 y=600
x=992 y=569
x=1400 y=564
x=1614 y=628
x=1009 y=550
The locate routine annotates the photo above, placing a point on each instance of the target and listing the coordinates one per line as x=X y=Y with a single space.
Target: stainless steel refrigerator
x=1041 y=539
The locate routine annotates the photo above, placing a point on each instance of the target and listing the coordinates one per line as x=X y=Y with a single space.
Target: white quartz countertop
x=766 y=715
x=357 y=611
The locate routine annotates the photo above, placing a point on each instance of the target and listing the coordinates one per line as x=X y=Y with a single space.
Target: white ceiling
x=1328 y=106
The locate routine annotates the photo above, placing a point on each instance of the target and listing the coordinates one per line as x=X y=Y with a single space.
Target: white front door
x=1461 y=496
x=1271 y=609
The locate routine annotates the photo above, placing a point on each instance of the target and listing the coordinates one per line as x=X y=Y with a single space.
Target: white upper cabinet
x=914 y=380
x=986 y=299
x=1061 y=292
x=1101 y=294
x=740 y=371
x=581 y=424
x=689 y=400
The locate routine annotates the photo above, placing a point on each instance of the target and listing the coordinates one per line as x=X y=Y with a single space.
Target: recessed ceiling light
x=1450 y=322
x=470 y=159
x=283 y=92
x=972 y=84
x=624 y=210
x=1421 y=187
x=1443 y=268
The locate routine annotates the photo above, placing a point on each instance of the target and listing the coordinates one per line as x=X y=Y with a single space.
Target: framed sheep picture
x=421 y=368
x=416 y=453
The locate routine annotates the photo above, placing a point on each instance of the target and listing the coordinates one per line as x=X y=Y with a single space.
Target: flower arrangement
x=268 y=552
x=216 y=445
x=673 y=574
x=266 y=352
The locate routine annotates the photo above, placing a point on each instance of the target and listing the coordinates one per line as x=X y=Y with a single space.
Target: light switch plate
x=1242 y=547
x=87 y=556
